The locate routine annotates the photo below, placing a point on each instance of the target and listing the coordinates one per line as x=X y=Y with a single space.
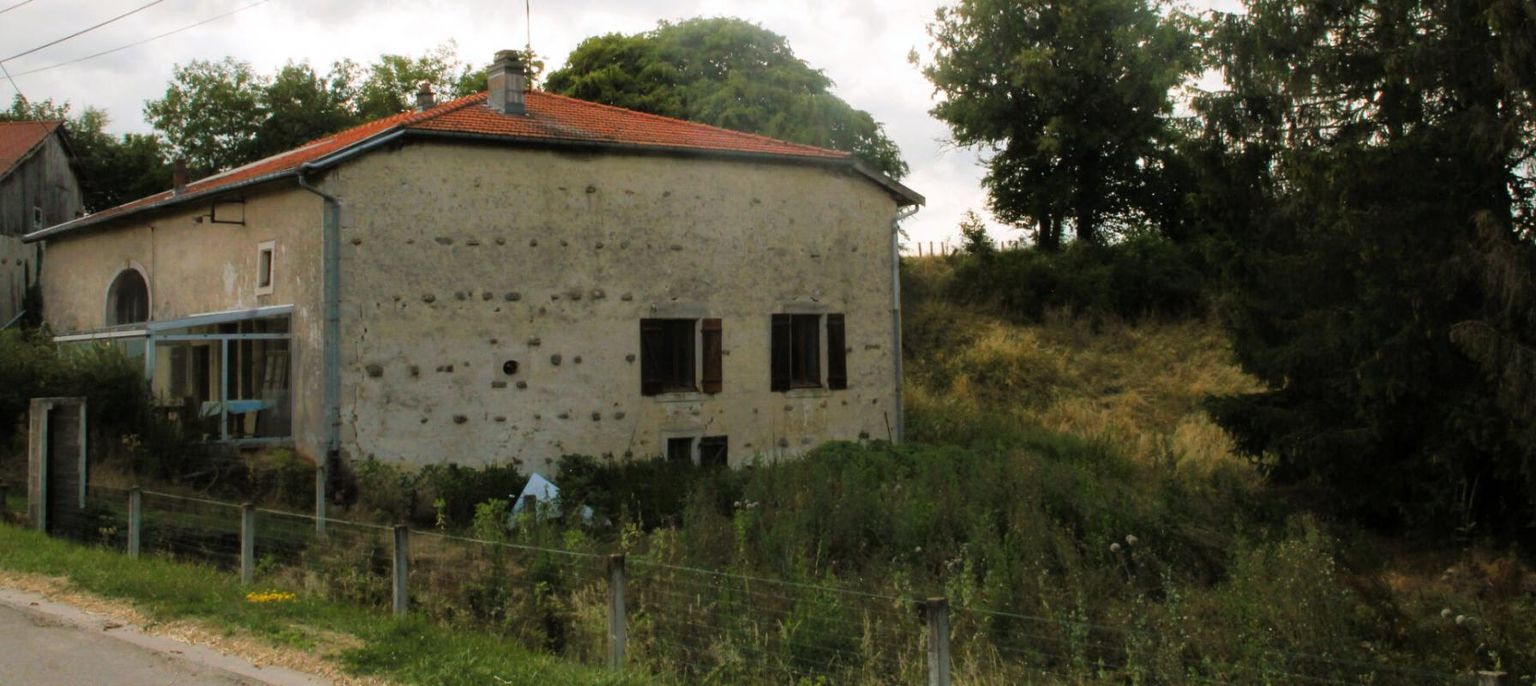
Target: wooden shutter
x=837 y=353
x=652 y=347
x=780 y=352
x=712 y=380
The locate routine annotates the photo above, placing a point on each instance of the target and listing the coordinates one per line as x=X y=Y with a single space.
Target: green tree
x=210 y=114
x=300 y=106
x=1366 y=166
x=392 y=80
x=729 y=73
x=1070 y=100
x=111 y=170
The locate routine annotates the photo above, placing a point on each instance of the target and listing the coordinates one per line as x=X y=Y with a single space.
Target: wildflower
x=1114 y=547
x=1445 y=613
x=269 y=597
x=1130 y=539
x=1461 y=619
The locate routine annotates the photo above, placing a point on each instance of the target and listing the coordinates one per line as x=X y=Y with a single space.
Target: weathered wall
x=197 y=267
x=457 y=258
x=42 y=180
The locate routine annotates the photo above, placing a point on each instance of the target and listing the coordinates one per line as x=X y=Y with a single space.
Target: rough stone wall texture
x=45 y=181
x=197 y=267
x=457 y=258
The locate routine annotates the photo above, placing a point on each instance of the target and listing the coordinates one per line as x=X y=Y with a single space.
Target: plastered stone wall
x=458 y=258
x=197 y=267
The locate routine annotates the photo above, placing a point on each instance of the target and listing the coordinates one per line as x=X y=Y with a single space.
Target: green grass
x=411 y=651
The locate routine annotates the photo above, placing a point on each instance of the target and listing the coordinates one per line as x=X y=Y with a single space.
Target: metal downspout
x=330 y=339
x=901 y=408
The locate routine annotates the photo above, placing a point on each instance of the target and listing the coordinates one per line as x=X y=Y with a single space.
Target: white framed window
x=266 y=256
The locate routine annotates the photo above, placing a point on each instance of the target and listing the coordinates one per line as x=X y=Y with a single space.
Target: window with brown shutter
x=837 y=353
x=712 y=376
x=666 y=356
x=796 y=351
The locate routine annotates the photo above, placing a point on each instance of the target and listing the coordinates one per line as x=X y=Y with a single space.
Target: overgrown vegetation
x=412 y=651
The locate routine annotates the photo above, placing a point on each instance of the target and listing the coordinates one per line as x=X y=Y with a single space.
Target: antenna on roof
x=528 y=26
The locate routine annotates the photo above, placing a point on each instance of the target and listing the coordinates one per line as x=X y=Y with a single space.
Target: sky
x=862 y=45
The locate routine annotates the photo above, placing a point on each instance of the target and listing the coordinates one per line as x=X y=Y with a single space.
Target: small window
x=797 y=351
x=680 y=449
x=713 y=451
x=37 y=217
x=670 y=360
x=264 y=257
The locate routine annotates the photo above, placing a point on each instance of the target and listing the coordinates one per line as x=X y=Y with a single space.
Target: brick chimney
x=425 y=98
x=508 y=81
x=178 y=177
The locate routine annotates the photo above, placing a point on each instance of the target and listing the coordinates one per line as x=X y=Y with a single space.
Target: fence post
x=135 y=522
x=938 y=641
x=1490 y=679
x=247 y=544
x=402 y=570
x=617 y=631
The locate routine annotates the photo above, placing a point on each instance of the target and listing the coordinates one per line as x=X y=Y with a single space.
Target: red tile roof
x=551 y=119
x=17 y=138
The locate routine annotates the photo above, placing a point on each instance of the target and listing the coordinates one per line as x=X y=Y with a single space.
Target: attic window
x=264 y=256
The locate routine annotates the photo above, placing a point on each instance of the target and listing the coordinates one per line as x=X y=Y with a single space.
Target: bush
x=1143 y=276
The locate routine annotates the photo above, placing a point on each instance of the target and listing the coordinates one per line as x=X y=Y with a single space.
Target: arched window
x=128 y=299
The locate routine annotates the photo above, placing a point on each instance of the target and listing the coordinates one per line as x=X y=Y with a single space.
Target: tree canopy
x=219 y=115
x=729 y=73
x=1370 y=169
x=1069 y=99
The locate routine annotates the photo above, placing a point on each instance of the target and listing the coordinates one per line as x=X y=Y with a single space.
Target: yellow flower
x=269 y=597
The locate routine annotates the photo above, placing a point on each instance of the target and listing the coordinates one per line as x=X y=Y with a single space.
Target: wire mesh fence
x=683 y=623
x=700 y=624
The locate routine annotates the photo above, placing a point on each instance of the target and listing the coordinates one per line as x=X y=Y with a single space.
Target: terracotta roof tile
x=17 y=138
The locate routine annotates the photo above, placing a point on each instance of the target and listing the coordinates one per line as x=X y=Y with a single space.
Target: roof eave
x=102 y=217
x=904 y=196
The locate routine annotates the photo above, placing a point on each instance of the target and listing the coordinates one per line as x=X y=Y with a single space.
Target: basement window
x=713 y=451
x=265 y=253
x=680 y=449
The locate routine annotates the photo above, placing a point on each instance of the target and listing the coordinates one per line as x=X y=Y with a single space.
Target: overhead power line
x=137 y=43
x=19 y=4
x=88 y=29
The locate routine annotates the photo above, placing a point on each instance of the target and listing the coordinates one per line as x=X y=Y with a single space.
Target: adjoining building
x=38 y=188
x=508 y=277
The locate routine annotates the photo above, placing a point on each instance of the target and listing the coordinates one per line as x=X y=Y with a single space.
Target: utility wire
x=137 y=43
x=88 y=29
x=19 y=4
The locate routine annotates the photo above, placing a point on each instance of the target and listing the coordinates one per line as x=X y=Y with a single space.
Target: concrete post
x=938 y=641
x=247 y=544
x=1490 y=678
x=135 y=522
x=402 y=570
x=617 y=629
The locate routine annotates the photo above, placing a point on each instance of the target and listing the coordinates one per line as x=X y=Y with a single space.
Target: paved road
x=48 y=644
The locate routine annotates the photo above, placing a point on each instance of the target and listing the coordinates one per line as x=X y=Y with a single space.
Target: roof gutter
x=896 y=352
x=101 y=217
x=331 y=295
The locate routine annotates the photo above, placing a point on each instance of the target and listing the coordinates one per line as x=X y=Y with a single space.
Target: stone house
x=37 y=189
x=507 y=277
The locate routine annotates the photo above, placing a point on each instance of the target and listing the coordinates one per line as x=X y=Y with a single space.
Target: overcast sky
x=861 y=44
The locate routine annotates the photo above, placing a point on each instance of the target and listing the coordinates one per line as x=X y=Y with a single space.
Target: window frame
x=266 y=267
x=808 y=351
x=702 y=348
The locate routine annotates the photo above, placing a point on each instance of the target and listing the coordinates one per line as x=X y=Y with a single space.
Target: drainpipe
x=330 y=339
x=901 y=410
